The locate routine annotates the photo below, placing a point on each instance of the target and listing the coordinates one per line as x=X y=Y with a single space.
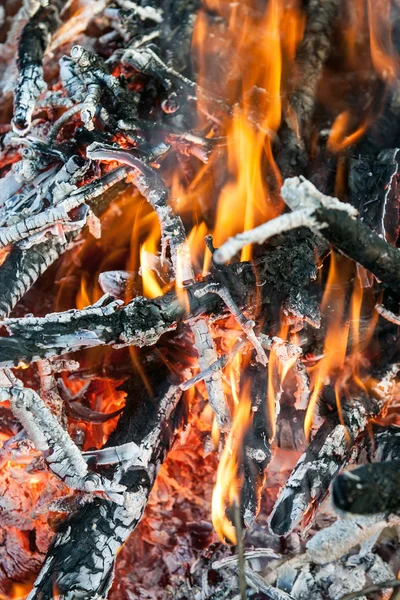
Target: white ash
x=387 y=314
x=335 y=541
x=300 y=194
x=259 y=235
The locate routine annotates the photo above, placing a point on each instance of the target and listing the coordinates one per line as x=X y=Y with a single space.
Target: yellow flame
x=229 y=479
x=335 y=344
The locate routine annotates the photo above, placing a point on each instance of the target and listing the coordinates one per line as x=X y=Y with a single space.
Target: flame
x=229 y=479
x=262 y=55
x=348 y=335
x=335 y=344
x=382 y=51
x=83 y=298
x=150 y=286
x=19 y=591
x=341 y=135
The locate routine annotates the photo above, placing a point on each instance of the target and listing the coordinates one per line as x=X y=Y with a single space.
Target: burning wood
x=148 y=144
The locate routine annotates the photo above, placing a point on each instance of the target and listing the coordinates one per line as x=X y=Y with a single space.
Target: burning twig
x=153 y=188
x=326 y=454
x=82 y=556
x=62 y=455
x=142 y=322
x=332 y=219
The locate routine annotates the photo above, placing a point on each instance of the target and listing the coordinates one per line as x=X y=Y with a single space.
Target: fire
x=229 y=479
x=382 y=52
x=342 y=134
x=259 y=69
x=19 y=591
x=335 y=344
x=346 y=338
x=148 y=251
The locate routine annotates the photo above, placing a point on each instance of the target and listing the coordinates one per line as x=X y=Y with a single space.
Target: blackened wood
x=373 y=184
x=360 y=243
x=370 y=489
x=81 y=559
x=256 y=445
x=282 y=276
x=326 y=454
x=33 y=43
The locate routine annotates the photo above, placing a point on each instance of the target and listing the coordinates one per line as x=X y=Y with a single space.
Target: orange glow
x=342 y=134
x=335 y=344
x=229 y=479
x=382 y=52
x=19 y=591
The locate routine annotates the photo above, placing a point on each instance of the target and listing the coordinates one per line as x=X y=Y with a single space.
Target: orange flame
x=229 y=480
x=346 y=338
x=335 y=345
x=341 y=135
x=382 y=52
x=258 y=67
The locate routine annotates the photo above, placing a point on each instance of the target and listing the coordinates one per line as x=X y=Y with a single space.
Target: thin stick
x=240 y=550
x=391 y=583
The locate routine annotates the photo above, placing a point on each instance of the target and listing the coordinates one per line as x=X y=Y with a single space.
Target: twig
x=152 y=187
x=35 y=38
x=62 y=455
x=391 y=583
x=286 y=222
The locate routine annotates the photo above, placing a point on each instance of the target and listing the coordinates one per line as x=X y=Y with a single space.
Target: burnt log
x=286 y=272
x=80 y=561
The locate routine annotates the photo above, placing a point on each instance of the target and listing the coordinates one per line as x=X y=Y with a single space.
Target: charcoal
x=373 y=191
x=369 y=489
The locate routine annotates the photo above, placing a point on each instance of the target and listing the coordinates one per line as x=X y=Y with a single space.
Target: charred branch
x=142 y=322
x=35 y=38
x=326 y=454
x=81 y=559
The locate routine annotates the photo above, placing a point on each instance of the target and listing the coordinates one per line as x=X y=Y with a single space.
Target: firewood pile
x=199 y=299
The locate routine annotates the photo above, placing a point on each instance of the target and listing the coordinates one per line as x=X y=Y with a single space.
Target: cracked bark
x=35 y=38
x=285 y=274
x=80 y=562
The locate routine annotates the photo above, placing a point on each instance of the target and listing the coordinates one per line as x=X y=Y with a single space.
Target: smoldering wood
x=81 y=559
x=143 y=322
x=325 y=455
x=22 y=267
x=34 y=40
